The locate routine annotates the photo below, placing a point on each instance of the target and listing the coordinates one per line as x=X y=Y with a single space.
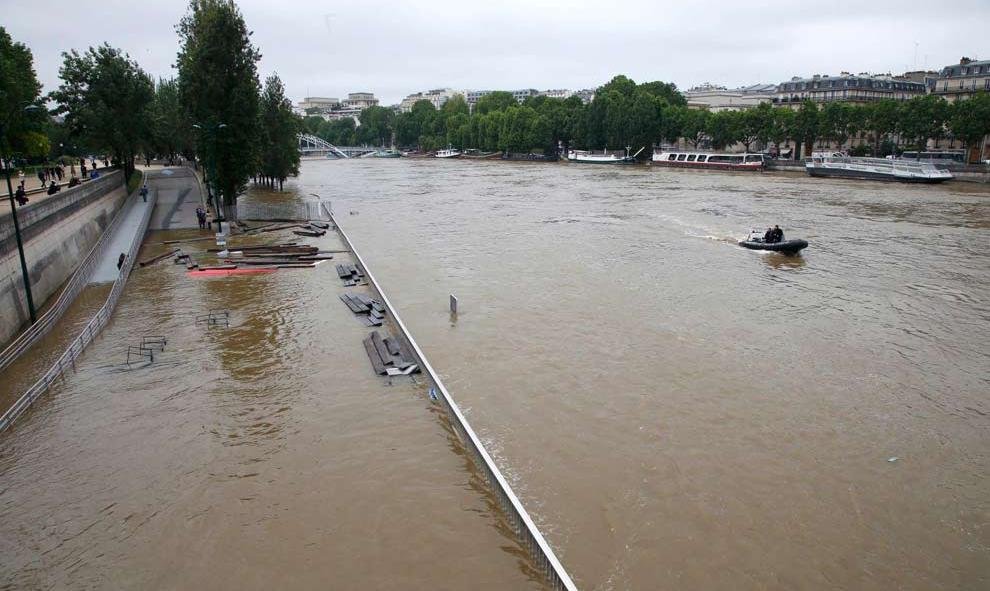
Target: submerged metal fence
x=538 y=548
x=295 y=211
x=76 y=283
x=68 y=358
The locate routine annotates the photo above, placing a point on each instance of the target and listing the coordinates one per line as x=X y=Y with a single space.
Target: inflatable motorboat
x=790 y=247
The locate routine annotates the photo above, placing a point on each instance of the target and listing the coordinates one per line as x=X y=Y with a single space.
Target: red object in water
x=211 y=272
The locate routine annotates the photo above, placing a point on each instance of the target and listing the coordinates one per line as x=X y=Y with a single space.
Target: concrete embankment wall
x=57 y=233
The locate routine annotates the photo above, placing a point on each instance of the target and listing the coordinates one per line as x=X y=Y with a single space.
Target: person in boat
x=778 y=234
x=768 y=237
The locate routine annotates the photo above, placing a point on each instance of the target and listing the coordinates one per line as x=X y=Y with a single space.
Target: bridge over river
x=310 y=145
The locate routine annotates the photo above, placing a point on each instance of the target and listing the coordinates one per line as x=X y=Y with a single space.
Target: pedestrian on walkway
x=144 y=193
x=201 y=217
x=59 y=172
x=120 y=260
x=20 y=175
x=41 y=176
x=82 y=168
x=21 y=196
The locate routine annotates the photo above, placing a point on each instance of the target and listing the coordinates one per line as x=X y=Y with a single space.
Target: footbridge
x=310 y=145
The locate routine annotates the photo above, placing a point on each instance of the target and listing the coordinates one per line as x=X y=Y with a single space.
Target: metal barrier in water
x=289 y=211
x=68 y=358
x=543 y=556
x=76 y=283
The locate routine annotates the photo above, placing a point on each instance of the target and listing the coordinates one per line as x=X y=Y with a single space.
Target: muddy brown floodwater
x=674 y=411
x=681 y=413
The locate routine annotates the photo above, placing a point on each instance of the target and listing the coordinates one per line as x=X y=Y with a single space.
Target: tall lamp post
x=13 y=214
x=211 y=131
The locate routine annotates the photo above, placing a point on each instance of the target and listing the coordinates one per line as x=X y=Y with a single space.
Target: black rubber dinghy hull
x=786 y=247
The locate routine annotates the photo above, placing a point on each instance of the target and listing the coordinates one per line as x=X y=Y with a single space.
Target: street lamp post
x=211 y=131
x=13 y=213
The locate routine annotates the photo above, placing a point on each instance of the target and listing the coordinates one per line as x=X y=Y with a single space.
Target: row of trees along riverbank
x=216 y=110
x=624 y=113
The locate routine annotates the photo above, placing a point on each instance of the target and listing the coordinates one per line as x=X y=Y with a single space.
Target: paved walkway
x=178 y=197
x=120 y=241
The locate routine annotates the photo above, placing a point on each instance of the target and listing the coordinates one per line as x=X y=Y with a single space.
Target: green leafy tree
x=724 y=128
x=19 y=88
x=377 y=126
x=172 y=133
x=106 y=98
x=833 y=122
x=805 y=127
x=218 y=83
x=278 y=131
x=494 y=101
x=882 y=120
x=969 y=121
x=695 y=124
x=782 y=126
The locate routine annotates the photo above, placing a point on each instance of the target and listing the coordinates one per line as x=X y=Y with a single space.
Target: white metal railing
x=75 y=284
x=68 y=357
x=539 y=550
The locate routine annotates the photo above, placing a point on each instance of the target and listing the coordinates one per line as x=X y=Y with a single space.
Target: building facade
x=846 y=87
x=318 y=102
x=360 y=100
x=961 y=81
x=438 y=97
x=719 y=98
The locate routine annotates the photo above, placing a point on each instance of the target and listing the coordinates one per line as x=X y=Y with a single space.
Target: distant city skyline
x=398 y=49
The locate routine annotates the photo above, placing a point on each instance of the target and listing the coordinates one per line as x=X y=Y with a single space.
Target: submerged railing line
x=76 y=283
x=521 y=522
x=68 y=358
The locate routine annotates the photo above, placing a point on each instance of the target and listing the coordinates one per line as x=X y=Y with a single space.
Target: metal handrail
x=68 y=357
x=522 y=524
x=76 y=282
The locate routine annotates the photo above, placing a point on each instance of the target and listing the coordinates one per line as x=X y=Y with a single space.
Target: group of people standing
x=774 y=234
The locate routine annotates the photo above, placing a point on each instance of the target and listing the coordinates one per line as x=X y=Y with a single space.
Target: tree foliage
x=278 y=128
x=105 y=97
x=19 y=87
x=218 y=86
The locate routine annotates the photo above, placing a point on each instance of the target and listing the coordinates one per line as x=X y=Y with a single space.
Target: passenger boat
x=393 y=153
x=712 y=160
x=449 y=152
x=879 y=169
x=605 y=157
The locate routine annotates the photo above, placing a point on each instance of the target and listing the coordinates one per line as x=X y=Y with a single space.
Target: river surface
x=674 y=411
x=681 y=413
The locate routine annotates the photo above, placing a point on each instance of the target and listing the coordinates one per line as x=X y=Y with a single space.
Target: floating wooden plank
x=295 y=266
x=319 y=257
x=355 y=307
x=308 y=233
x=392 y=344
x=321 y=225
x=376 y=360
x=154 y=260
x=188 y=240
x=374 y=321
x=343 y=272
x=376 y=314
x=381 y=348
x=218 y=268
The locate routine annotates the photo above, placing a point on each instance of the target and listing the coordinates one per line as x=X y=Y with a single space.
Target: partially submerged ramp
x=123 y=236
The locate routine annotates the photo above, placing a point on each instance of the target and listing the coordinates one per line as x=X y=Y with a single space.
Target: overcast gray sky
x=396 y=48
